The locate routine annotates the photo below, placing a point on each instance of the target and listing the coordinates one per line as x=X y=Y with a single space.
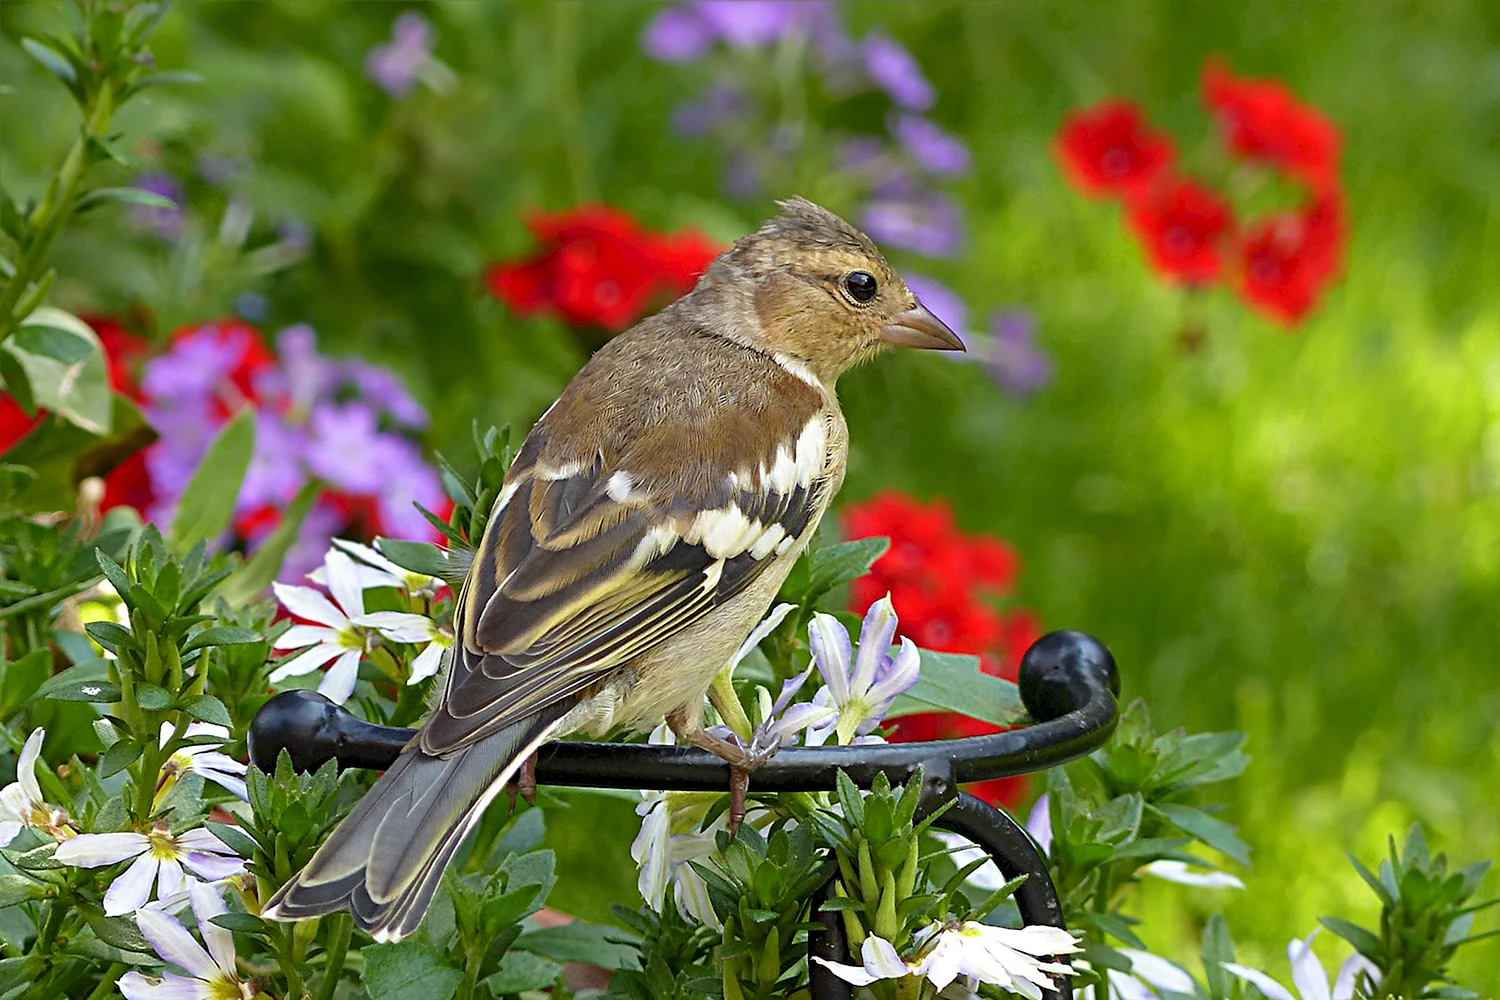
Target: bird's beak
x=919 y=328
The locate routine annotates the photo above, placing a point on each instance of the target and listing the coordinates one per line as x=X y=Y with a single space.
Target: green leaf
x=152 y=698
x=18 y=889
x=234 y=838
x=836 y=564
x=207 y=708
x=1364 y=942
x=87 y=681
x=13 y=373
x=118 y=757
x=582 y=942
x=118 y=931
x=954 y=683
x=419 y=557
x=250 y=581
x=222 y=635
x=207 y=505
x=54 y=62
x=64 y=364
x=21 y=678
x=408 y=970
x=521 y=971
x=242 y=922
x=122 y=196
x=1213 y=832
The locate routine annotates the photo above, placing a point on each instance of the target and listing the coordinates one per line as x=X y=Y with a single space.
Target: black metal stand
x=1067 y=682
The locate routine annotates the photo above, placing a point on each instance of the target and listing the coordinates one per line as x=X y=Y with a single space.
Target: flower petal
x=1270 y=987
x=1033 y=939
x=26 y=766
x=170 y=879
x=1039 y=823
x=307 y=662
x=201 y=839
x=881 y=959
x=130 y=891
x=789 y=689
x=1179 y=872
x=9 y=830
x=904 y=670
x=848 y=973
x=1343 y=987
x=90 y=850
x=135 y=986
x=1157 y=971
x=338 y=684
x=174 y=944
x=207 y=904
x=831 y=651
x=212 y=867
x=305 y=635
x=305 y=602
x=1307 y=972
x=875 y=638
x=399 y=626
x=426 y=663
x=343 y=583
x=758 y=633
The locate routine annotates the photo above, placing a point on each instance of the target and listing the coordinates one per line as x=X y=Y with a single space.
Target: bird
x=643 y=529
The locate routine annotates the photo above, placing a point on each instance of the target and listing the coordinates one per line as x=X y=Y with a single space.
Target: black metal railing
x=1068 y=684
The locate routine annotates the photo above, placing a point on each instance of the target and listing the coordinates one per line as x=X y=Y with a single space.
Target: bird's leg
x=524 y=783
x=742 y=762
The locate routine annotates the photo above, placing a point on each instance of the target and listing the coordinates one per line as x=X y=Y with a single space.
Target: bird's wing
x=583 y=567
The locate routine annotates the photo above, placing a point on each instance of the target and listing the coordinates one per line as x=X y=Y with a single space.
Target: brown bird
x=643 y=530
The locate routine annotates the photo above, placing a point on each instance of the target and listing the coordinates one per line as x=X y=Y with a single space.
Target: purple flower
x=895 y=71
x=1013 y=357
x=944 y=303
x=166 y=223
x=687 y=32
x=342 y=447
x=275 y=473
x=721 y=104
x=383 y=388
x=398 y=65
x=938 y=152
x=409 y=480
x=925 y=222
x=314 y=536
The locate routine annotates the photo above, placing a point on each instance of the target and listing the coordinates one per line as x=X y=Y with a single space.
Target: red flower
x=1110 y=150
x=1287 y=262
x=1262 y=120
x=598 y=267
x=1183 y=226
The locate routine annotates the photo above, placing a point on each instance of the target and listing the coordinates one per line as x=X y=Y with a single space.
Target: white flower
x=1308 y=975
x=375 y=570
x=204 y=759
x=211 y=973
x=1148 y=974
x=336 y=636
x=669 y=838
x=21 y=802
x=1178 y=871
x=1012 y=959
x=863 y=693
x=159 y=858
x=399 y=626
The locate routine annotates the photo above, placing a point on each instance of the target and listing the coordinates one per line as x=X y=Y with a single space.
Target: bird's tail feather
x=387 y=858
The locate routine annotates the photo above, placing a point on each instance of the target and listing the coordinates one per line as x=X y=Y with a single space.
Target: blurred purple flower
x=944 y=303
x=381 y=387
x=922 y=221
x=216 y=169
x=894 y=70
x=1012 y=355
x=742 y=178
x=344 y=439
x=252 y=306
x=303 y=374
x=721 y=104
x=396 y=66
x=166 y=223
x=938 y=152
x=687 y=31
x=409 y=480
x=294 y=234
x=314 y=537
x=274 y=475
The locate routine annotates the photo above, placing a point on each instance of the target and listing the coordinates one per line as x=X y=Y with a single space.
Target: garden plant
x=284 y=285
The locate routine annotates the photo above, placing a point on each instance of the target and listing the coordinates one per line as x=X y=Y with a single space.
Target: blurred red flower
x=1109 y=149
x=1288 y=261
x=1183 y=227
x=940 y=580
x=599 y=267
x=1263 y=120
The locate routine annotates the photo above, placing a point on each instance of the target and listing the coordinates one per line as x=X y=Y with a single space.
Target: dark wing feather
x=573 y=579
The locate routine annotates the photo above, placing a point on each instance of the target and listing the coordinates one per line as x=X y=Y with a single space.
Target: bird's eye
x=861 y=285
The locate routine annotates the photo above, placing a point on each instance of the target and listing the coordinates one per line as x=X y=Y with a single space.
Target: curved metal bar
x=1067 y=682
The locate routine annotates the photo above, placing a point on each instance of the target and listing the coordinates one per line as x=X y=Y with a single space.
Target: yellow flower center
x=163 y=845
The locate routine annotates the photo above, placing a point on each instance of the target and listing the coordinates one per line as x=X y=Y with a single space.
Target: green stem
x=726 y=702
x=56 y=911
x=340 y=933
x=47 y=220
x=294 y=985
x=107 y=984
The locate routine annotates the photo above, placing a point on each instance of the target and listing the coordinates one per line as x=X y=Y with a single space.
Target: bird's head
x=822 y=293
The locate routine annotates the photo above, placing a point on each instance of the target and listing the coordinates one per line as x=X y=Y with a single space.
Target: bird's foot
x=743 y=761
x=524 y=783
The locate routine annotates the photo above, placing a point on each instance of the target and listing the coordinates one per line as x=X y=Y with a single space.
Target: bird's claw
x=743 y=761
x=524 y=783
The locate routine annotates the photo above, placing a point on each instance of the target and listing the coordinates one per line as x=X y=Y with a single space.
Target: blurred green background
x=1296 y=535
